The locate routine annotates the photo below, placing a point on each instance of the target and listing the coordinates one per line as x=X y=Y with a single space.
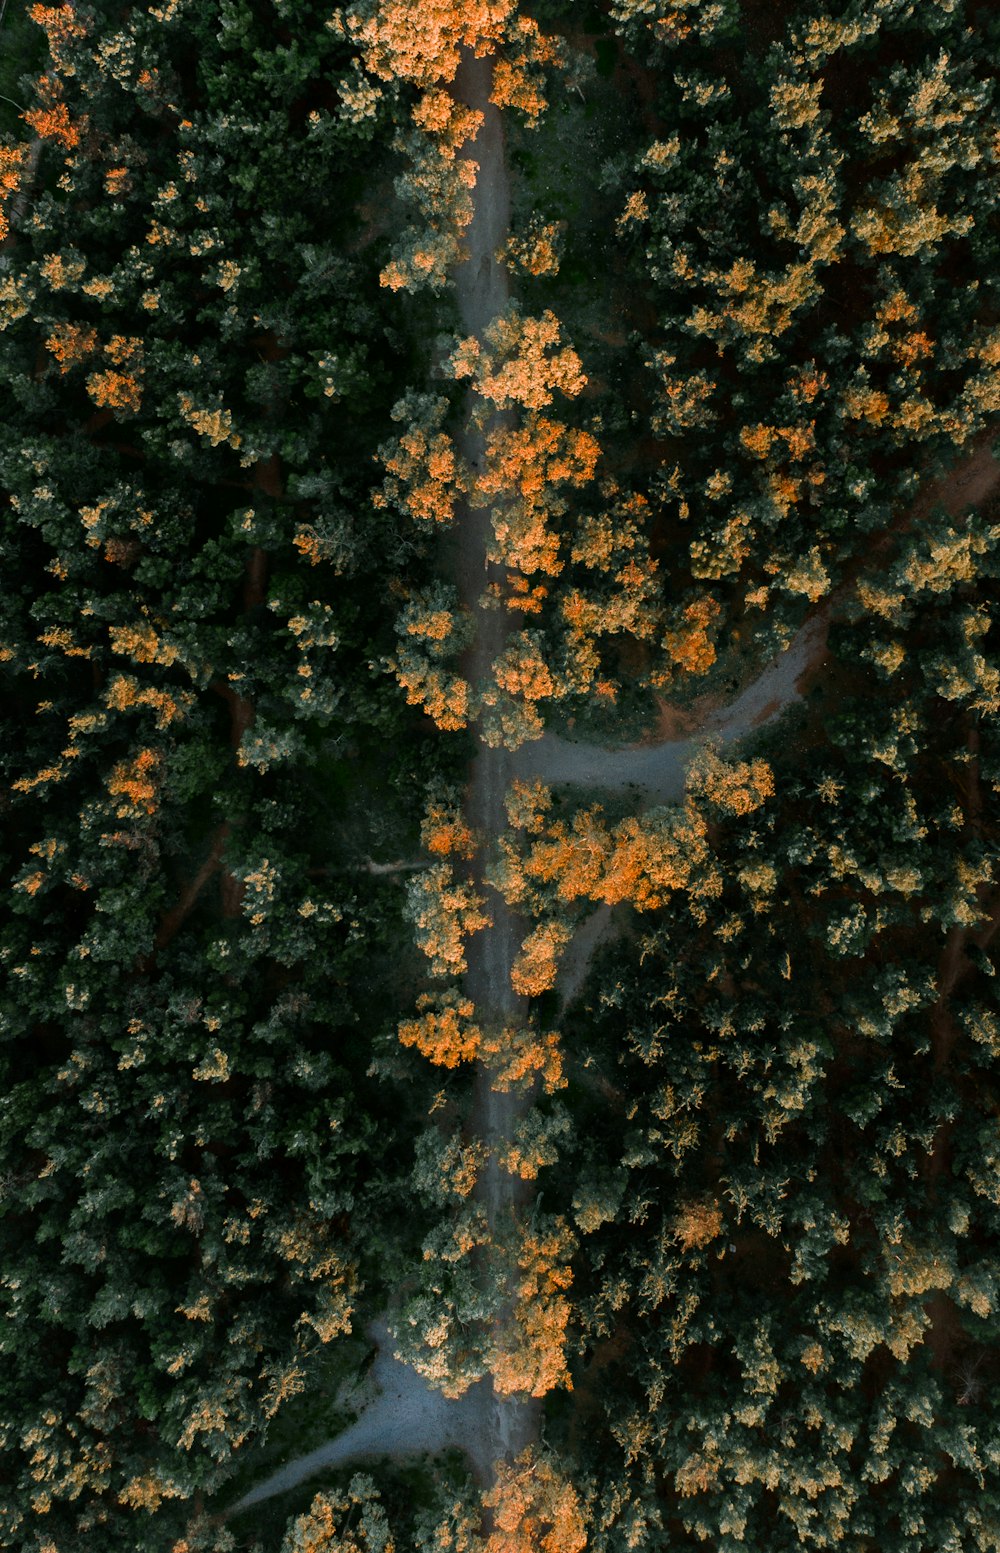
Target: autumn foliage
x=522 y=361
x=535 y=1509
x=444 y=1030
x=444 y=911
x=691 y=647
x=537 y=251
x=423 y=475
x=407 y=40
x=444 y=830
x=519 y=1056
x=134 y=783
x=697 y=1224
x=641 y=859
x=406 y=44
x=524 y=469
x=71 y=344
x=432 y=632
x=534 y=970
x=735 y=787
x=529 y=1354
x=419 y=41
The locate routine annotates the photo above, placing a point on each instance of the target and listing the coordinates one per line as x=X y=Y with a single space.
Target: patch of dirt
x=402 y=1418
x=766 y=713
x=672 y=723
x=969 y=484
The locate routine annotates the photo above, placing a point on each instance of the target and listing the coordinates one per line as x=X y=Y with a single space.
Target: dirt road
x=657 y=771
x=482 y=291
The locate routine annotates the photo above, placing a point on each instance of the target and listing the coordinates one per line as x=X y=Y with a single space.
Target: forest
x=499 y=758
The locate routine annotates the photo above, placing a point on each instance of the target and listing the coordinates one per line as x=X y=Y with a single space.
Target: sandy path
x=482 y=291
x=405 y=1418
x=657 y=771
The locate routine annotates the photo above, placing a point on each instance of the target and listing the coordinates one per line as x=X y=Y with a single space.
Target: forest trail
x=482 y=290
x=406 y=1416
x=658 y=771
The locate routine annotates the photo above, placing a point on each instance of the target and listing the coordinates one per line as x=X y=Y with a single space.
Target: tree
x=529 y=1353
x=534 y=1506
x=353 y=1522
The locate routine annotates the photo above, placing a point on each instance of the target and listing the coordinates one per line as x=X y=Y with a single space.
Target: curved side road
x=405 y=1418
x=658 y=770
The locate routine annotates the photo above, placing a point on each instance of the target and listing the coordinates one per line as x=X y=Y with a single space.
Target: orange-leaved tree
x=534 y=970
x=521 y=679
x=444 y=830
x=444 y=1030
x=730 y=786
x=537 y=251
x=616 y=589
x=519 y=1056
x=641 y=860
x=524 y=361
x=532 y=1507
x=528 y=1352
x=424 y=475
x=420 y=41
x=524 y=473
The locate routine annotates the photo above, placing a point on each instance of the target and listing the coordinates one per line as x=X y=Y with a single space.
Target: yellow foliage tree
x=523 y=470
x=735 y=787
x=444 y=1031
x=518 y=1056
x=432 y=633
x=537 y=252
x=443 y=696
x=444 y=911
x=697 y=1224
x=444 y=831
x=523 y=361
x=535 y=1509
x=528 y=1354
x=423 y=473
x=71 y=344
x=535 y=968
x=641 y=860
x=134 y=782
x=420 y=41
x=690 y=647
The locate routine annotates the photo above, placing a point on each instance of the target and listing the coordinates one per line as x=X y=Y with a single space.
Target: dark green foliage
x=195 y=961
